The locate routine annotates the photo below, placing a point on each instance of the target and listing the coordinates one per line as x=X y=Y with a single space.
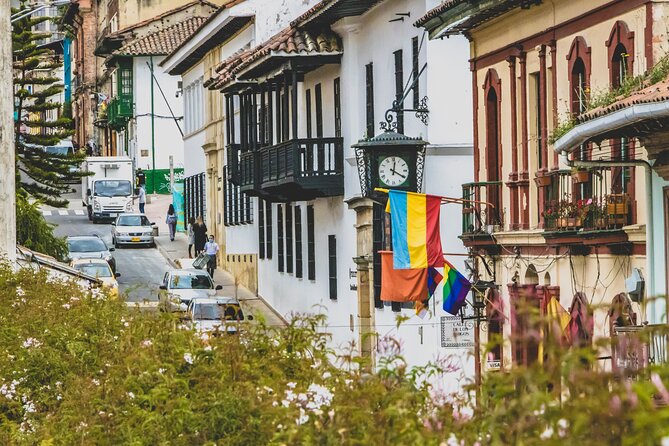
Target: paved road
x=141 y=269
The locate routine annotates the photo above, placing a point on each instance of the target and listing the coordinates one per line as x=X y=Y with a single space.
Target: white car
x=100 y=269
x=132 y=229
x=217 y=314
x=180 y=286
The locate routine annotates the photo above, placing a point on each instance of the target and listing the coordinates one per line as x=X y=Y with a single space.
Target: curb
x=163 y=252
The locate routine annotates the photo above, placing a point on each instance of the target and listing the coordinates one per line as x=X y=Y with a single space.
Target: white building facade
x=322 y=82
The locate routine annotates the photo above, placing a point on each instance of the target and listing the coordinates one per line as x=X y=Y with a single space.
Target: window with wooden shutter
x=298 y=242
x=399 y=89
x=311 y=244
x=307 y=99
x=289 y=239
x=280 y=240
x=414 y=72
x=337 y=107
x=332 y=265
x=369 y=98
x=268 y=233
x=261 y=229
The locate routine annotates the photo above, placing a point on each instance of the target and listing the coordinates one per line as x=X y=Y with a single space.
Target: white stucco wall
x=658 y=288
x=193 y=156
x=168 y=140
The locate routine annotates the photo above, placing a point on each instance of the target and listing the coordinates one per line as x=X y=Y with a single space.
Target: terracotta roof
x=657 y=92
x=289 y=42
x=163 y=41
x=436 y=11
x=340 y=8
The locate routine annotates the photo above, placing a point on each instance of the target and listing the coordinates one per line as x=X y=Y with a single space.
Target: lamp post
x=478 y=303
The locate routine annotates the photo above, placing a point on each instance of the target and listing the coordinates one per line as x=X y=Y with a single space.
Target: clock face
x=393 y=171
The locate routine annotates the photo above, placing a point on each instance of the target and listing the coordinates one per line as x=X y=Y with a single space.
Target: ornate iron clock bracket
x=390 y=123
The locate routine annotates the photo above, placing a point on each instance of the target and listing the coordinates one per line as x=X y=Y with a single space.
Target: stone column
x=7 y=164
x=363 y=208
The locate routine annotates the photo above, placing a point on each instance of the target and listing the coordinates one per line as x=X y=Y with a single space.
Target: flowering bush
x=82 y=369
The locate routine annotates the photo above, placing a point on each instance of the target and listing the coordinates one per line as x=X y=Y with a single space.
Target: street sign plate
x=455 y=333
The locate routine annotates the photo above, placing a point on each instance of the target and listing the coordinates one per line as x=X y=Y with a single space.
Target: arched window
x=493 y=153
x=581 y=322
x=619 y=66
x=579 y=87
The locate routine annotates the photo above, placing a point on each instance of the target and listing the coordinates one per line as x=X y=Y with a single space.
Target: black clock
x=390 y=161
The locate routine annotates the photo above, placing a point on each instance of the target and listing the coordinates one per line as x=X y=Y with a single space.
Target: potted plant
x=580 y=175
x=597 y=215
x=551 y=215
x=617 y=207
x=570 y=213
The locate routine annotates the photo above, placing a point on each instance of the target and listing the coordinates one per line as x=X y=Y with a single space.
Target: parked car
x=90 y=247
x=132 y=229
x=216 y=314
x=100 y=269
x=180 y=286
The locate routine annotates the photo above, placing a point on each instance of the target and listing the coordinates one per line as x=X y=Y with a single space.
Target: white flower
x=327 y=375
x=131 y=395
x=161 y=370
x=29 y=407
x=268 y=389
x=67 y=306
x=291 y=385
x=147 y=343
x=207 y=348
x=20 y=292
x=188 y=358
x=275 y=403
x=96 y=382
x=285 y=403
x=31 y=342
x=126 y=324
x=546 y=434
x=59 y=397
x=303 y=418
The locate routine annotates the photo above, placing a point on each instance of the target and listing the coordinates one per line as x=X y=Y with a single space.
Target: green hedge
x=77 y=368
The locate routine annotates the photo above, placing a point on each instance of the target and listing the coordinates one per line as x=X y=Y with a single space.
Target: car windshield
x=113 y=188
x=191 y=281
x=86 y=245
x=57 y=150
x=211 y=311
x=94 y=269
x=133 y=220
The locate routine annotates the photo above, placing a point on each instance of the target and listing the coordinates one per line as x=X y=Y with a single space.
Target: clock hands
x=397 y=173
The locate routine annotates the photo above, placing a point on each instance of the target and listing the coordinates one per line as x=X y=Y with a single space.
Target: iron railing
x=634 y=348
x=308 y=158
x=482 y=207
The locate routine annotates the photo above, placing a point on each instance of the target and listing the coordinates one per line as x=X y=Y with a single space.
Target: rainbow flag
x=415 y=230
x=456 y=288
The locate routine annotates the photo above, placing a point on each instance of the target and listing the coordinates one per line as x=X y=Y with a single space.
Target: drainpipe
x=650 y=242
x=153 y=135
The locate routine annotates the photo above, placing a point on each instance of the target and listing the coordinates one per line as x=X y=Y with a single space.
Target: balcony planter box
x=569 y=223
x=542 y=181
x=580 y=176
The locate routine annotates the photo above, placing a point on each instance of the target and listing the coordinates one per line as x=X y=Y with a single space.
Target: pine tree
x=40 y=120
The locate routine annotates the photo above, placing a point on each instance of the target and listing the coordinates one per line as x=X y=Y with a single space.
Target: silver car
x=132 y=229
x=180 y=286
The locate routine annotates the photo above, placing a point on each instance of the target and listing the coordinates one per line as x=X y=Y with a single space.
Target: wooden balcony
x=303 y=169
x=249 y=174
x=482 y=216
x=233 y=152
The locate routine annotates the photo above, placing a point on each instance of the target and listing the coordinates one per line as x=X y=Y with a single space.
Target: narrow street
x=141 y=268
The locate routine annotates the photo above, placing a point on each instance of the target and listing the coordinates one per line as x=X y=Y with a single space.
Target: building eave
x=216 y=32
x=610 y=124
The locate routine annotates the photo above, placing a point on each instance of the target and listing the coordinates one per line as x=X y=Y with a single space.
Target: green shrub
x=77 y=368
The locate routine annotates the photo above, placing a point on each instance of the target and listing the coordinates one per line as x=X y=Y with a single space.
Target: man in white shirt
x=142 y=199
x=211 y=249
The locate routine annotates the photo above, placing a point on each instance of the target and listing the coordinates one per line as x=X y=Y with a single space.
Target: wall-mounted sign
x=353 y=277
x=494 y=364
x=455 y=333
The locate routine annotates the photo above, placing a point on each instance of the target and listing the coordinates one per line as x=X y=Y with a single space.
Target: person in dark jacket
x=200 y=235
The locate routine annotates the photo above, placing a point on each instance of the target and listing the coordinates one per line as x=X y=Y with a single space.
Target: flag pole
x=444 y=199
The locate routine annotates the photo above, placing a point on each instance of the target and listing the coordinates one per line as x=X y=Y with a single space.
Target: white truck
x=108 y=192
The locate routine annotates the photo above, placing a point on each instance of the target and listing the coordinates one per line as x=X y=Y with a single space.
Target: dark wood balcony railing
x=302 y=169
x=249 y=173
x=477 y=216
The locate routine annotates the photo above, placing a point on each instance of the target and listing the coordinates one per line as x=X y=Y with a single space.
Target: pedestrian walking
x=191 y=237
x=199 y=235
x=211 y=249
x=171 y=221
x=142 y=199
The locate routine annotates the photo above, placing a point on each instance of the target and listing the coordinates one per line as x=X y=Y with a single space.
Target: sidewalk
x=176 y=253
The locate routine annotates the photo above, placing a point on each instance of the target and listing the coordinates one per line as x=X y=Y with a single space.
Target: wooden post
x=7 y=165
